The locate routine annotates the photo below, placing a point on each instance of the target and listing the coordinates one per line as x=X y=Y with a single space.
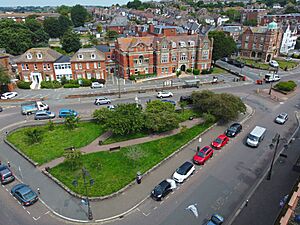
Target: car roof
x=222 y=136
x=3 y=167
x=66 y=110
x=164 y=184
x=283 y=114
x=235 y=125
x=205 y=149
x=185 y=166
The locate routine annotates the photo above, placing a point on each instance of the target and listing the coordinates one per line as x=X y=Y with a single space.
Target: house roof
x=119 y=21
x=48 y=55
x=259 y=29
x=232 y=29
x=103 y=48
x=125 y=43
x=63 y=59
x=81 y=29
x=86 y=54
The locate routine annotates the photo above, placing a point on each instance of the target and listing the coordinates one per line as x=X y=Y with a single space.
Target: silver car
x=281 y=118
x=102 y=101
x=44 y=115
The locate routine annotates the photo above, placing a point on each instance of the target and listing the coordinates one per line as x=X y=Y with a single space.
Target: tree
x=99 y=28
x=234 y=15
x=290 y=8
x=93 y=40
x=160 y=116
x=79 y=15
x=71 y=122
x=126 y=119
x=183 y=105
x=63 y=10
x=70 y=41
x=101 y=115
x=111 y=34
x=64 y=23
x=34 y=136
x=52 y=27
x=4 y=77
x=223 y=45
x=135 y=4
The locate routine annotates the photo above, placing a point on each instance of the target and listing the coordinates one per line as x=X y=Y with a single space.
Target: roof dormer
x=173 y=44
x=39 y=55
x=29 y=56
x=80 y=56
x=93 y=56
x=182 y=44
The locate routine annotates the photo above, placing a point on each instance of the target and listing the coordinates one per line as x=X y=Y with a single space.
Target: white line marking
x=36 y=218
x=28 y=212
x=155 y=208
x=161 y=202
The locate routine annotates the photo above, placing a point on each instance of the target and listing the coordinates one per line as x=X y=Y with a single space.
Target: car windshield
x=28 y=195
x=281 y=116
x=181 y=171
x=201 y=154
x=252 y=137
x=157 y=190
x=7 y=175
x=218 y=140
x=232 y=129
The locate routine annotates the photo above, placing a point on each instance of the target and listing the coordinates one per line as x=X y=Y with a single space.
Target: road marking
x=161 y=202
x=36 y=218
x=155 y=208
x=167 y=197
x=6 y=189
x=28 y=212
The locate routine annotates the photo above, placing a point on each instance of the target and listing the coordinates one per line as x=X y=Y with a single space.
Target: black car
x=1 y=109
x=163 y=189
x=188 y=99
x=24 y=194
x=6 y=175
x=233 y=130
x=238 y=64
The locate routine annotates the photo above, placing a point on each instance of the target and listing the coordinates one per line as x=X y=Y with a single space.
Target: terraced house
x=162 y=50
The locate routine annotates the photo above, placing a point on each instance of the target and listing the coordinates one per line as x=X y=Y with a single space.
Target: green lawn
x=217 y=70
x=113 y=170
x=283 y=64
x=53 y=142
x=250 y=62
x=186 y=114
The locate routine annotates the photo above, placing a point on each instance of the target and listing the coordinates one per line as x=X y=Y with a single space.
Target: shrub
x=196 y=71
x=34 y=136
x=86 y=82
x=63 y=80
x=132 y=77
x=209 y=118
x=206 y=71
x=23 y=84
x=286 y=85
x=189 y=70
x=69 y=85
x=178 y=73
x=50 y=84
x=101 y=81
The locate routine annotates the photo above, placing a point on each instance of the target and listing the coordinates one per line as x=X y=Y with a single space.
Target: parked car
x=32 y=107
x=288 y=59
x=238 y=64
x=102 y=101
x=9 y=95
x=44 y=115
x=273 y=63
x=256 y=136
x=215 y=219
x=170 y=101
x=203 y=155
x=271 y=77
x=188 y=99
x=225 y=59
x=281 y=118
x=111 y=107
x=162 y=189
x=164 y=94
x=220 y=141
x=6 y=175
x=24 y=194
x=183 y=172
x=233 y=130
x=1 y=109
x=96 y=85
x=63 y=113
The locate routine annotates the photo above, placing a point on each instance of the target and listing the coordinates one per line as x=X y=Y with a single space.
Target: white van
x=256 y=136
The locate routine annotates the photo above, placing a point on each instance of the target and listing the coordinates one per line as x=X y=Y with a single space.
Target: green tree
x=71 y=122
x=160 y=116
x=233 y=14
x=52 y=27
x=111 y=34
x=99 y=28
x=79 y=15
x=101 y=115
x=63 y=10
x=93 y=40
x=126 y=119
x=135 y=4
x=223 y=45
x=252 y=22
x=4 y=77
x=70 y=41
x=290 y=8
x=34 y=136
x=183 y=105
x=64 y=24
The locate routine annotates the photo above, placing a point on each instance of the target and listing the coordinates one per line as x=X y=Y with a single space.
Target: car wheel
x=161 y=96
x=211 y=155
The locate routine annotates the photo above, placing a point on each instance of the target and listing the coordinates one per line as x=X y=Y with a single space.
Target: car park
x=44 y=115
x=183 y=172
x=63 y=113
x=9 y=95
x=256 y=136
x=215 y=219
x=169 y=101
x=281 y=118
x=233 y=130
x=188 y=99
x=220 y=141
x=102 y=101
x=24 y=194
x=274 y=63
x=162 y=189
x=203 y=155
x=96 y=85
x=164 y=94
x=6 y=175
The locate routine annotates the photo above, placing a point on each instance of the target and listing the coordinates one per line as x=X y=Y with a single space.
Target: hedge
x=50 y=84
x=206 y=71
x=71 y=85
x=196 y=71
x=142 y=76
x=23 y=84
x=85 y=82
x=286 y=85
x=189 y=70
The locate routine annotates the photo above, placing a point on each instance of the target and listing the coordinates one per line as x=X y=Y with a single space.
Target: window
x=89 y=76
x=76 y=66
x=135 y=61
x=29 y=56
x=191 y=43
x=99 y=65
x=173 y=44
x=97 y=75
x=93 y=56
x=113 y=57
x=26 y=67
x=136 y=71
x=146 y=70
x=44 y=66
x=35 y=66
x=108 y=57
x=262 y=39
x=79 y=76
x=165 y=58
x=69 y=66
x=48 y=66
x=247 y=38
x=182 y=44
x=174 y=58
x=182 y=57
x=141 y=59
x=164 y=46
x=203 y=66
x=23 y=67
x=87 y=65
x=39 y=55
x=95 y=65
x=193 y=56
x=80 y=56
x=80 y=66
x=205 y=54
x=246 y=45
x=146 y=60
x=55 y=67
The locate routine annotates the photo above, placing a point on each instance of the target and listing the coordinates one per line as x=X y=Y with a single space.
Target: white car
x=96 y=85
x=288 y=59
x=281 y=118
x=164 y=94
x=273 y=63
x=102 y=101
x=183 y=172
x=9 y=95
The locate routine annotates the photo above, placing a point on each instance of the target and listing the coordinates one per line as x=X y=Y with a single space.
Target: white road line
x=47 y=212
x=36 y=218
x=155 y=208
x=6 y=189
x=28 y=212
x=161 y=202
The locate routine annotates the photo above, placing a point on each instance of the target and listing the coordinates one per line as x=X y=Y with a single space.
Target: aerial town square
x=171 y=112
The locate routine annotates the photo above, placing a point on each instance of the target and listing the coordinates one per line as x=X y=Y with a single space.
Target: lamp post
x=276 y=141
x=86 y=174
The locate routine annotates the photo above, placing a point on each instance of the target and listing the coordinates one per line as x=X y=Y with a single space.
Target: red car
x=220 y=141
x=203 y=155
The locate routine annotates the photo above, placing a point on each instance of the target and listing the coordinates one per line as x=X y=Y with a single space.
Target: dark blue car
x=170 y=101
x=24 y=194
x=215 y=219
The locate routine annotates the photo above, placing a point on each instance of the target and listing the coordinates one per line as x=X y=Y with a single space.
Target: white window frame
x=164 y=58
x=80 y=56
x=95 y=65
x=26 y=67
x=29 y=56
x=99 y=65
x=183 y=56
x=205 y=54
x=44 y=66
x=87 y=66
x=39 y=55
x=80 y=66
x=93 y=56
x=76 y=66
x=23 y=66
x=35 y=66
x=48 y=66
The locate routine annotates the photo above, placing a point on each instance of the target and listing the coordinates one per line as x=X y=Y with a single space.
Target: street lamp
x=86 y=174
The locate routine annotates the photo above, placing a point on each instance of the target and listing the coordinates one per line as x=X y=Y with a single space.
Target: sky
x=7 y=3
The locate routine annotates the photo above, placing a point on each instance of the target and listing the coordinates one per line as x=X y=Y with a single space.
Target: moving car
x=203 y=155
x=44 y=115
x=6 y=175
x=215 y=219
x=25 y=195
x=164 y=94
x=183 y=172
x=162 y=189
x=271 y=77
x=281 y=118
x=220 y=141
x=256 y=136
x=233 y=130
x=9 y=95
x=273 y=63
x=102 y=101
x=170 y=101
x=96 y=85
x=288 y=59
x=63 y=113
x=188 y=99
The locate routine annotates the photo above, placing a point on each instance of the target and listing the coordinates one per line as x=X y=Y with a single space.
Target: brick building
x=261 y=42
x=292 y=18
x=253 y=14
x=162 y=50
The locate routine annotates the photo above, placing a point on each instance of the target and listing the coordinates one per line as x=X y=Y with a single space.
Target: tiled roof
x=86 y=54
x=48 y=55
x=259 y=29
x=125 y=43
x=103 y=48
x=63 y=59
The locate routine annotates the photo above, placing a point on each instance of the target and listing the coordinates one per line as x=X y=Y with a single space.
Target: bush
x=209 y=118
x=101 y=81
x=23 y=84
x=178 y=73
x=206 y=71
x=50 y=84
x=286 y=85
x=196 y=71
x=189 y=70
x=86 y=82
x=69 y=85
x=132 y=77
x=63 y=80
